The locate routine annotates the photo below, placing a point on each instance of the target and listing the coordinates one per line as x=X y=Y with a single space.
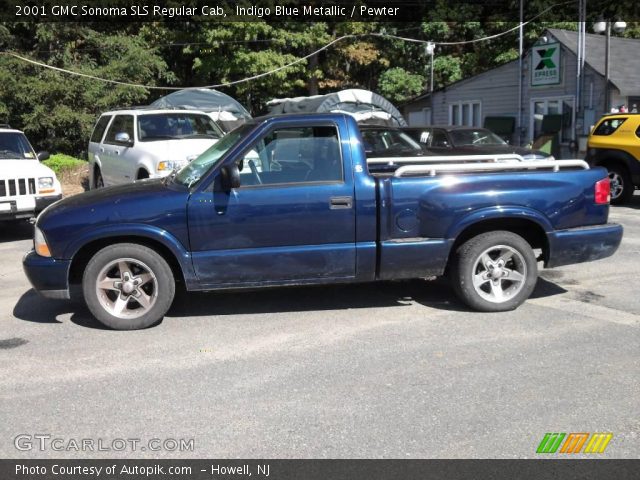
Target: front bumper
x=44 y=202
x=585 y=244
x=14 y=213
x=49 y=276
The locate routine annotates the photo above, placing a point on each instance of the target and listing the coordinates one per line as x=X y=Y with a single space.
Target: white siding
x=497 y=92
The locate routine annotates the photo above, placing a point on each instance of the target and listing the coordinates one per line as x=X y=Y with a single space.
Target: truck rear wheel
x=494 y=271
x=128 y=286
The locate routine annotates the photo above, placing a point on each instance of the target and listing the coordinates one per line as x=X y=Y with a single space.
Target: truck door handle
x=340 y=202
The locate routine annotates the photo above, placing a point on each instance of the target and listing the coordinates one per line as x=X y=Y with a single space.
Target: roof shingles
x=624 y=64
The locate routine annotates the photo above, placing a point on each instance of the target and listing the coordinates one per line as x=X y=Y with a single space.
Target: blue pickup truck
x=293 y=200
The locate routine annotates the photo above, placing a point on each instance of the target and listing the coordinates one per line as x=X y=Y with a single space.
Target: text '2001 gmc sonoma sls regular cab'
x=291 y=200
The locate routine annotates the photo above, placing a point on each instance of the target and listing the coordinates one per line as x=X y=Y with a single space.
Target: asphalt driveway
x=393 y=370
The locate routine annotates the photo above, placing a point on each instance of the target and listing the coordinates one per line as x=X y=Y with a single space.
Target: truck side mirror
x=44 y=155
x=123 y=137
x=230 y=177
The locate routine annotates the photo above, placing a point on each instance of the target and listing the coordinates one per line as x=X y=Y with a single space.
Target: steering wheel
x=481 y=139
x=254 y=170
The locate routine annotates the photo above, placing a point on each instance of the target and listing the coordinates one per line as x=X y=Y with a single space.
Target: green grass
x=61 y=163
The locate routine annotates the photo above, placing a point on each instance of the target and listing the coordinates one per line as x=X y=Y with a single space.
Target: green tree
x=57 y=110
x=398 y=85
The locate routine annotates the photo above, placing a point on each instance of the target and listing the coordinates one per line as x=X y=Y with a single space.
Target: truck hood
x=24 y=168
x=111 y=210
x=183 y=149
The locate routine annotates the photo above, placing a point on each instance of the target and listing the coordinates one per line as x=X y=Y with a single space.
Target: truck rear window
x=607 y=127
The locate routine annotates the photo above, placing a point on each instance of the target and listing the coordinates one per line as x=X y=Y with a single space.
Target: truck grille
x=17 y=186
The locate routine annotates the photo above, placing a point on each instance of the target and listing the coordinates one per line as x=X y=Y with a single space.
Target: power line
x=164 y=45
x=283 y=67
x=153 y=87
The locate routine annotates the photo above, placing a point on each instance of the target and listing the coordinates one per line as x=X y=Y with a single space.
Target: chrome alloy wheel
x=617 y=184
x=499 y=273
x=127 y=288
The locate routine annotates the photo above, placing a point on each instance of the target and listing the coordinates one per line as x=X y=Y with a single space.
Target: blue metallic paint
x=585 y=244
x=288 y=235
x=273 y=232
x=47 y=274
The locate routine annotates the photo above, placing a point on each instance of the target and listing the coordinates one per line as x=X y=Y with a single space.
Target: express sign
x=545 y=64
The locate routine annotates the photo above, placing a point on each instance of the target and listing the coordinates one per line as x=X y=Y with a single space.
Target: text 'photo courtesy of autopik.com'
x=337 y=240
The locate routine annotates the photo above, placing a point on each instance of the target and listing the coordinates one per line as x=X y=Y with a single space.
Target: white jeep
x=129 y=145
x=26 y=185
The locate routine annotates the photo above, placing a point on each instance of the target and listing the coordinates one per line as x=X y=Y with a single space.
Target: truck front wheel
x=494 y=271
x=128 y=286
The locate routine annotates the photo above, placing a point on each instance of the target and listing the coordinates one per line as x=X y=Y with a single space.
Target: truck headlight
x=45 y=185
x=169 y=165
x=40 y=243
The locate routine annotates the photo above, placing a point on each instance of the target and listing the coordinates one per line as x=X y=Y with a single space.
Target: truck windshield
x=15 y=146
x=194 y=171
x=172 y=126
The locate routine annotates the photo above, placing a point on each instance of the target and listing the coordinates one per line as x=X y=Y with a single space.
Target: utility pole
x=520 y=72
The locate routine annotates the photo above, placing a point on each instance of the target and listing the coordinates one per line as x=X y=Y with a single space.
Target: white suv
x=26 y=186
x=129 y=145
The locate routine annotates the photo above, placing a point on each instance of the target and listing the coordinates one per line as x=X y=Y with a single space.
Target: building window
x=465 y=113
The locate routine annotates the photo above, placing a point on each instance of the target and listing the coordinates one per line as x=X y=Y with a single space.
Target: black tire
x=467 y=263
x=142 y=174
x=139 y=261
x=619 y=175
x=98 y=181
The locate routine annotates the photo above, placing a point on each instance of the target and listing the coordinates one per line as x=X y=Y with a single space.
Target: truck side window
x=101 y=126
x=120 y=124
x=439 y=139
x=607 y=127
x=293 y=155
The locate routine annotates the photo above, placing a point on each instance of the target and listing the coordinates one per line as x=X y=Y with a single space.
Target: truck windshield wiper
x=201 y=135
x=159 y=137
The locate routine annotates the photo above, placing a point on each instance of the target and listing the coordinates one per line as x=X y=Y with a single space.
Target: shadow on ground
x=437 y=294
x=17 y=230
x=634 y=203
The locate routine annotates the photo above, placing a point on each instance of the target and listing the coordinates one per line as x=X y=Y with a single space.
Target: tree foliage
x=57 y=111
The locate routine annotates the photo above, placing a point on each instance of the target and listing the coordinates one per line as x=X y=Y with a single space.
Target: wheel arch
x=179 y=261
x=530 y=228
x=608 y=157
x=95 y=168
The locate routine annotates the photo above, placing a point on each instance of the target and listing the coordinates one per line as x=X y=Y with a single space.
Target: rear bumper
x=585 y=244
x=49 y=277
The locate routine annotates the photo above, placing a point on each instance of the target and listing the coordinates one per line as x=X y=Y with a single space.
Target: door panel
x=116 y=168
x=297 y=225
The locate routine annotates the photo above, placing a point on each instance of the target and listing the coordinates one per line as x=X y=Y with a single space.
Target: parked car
x=614 y=143
x=26 y=186
x=383 y=141
x=289 y=200
x=128 y=145
x=459 y=140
